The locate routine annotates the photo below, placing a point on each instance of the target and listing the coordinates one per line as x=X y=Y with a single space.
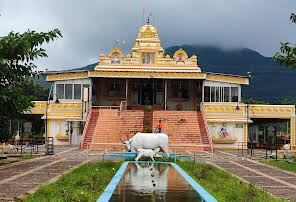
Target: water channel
x=153 y=182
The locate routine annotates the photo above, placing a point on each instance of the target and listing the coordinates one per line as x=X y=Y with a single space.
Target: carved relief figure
x=115 y=58
x=180 y=59
x=148 y=58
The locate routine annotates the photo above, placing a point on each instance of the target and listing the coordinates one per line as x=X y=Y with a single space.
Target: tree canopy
x=17 y=53
x=287 y=56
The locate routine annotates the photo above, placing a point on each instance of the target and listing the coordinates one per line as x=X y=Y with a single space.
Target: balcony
x=242 y=111
x=65 y=109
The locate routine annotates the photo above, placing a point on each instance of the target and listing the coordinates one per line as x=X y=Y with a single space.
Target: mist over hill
x=270 y=81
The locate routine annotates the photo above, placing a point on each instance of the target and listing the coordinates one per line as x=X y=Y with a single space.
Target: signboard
x=239 y=125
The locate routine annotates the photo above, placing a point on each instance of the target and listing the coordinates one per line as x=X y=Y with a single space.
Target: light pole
x=46 y=118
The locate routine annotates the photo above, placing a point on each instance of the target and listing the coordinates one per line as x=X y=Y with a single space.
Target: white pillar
x=165 y=94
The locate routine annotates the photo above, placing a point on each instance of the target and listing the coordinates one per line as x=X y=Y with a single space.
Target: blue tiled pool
x=133 y=155
x=153 y=181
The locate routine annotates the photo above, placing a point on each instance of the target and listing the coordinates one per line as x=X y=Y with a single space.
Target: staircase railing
x=123 y=105
x=85 y=128
x=206 y=124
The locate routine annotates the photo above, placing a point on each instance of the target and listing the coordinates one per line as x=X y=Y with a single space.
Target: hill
x=270 y=81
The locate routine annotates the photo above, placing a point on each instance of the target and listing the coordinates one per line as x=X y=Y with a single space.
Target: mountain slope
x=270 y=81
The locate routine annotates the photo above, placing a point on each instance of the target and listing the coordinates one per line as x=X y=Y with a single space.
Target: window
x=77 y=91
x=213 y=94
x=234 y=94
x=217 y=94
x=60 y=90
x=207 y=94
x=226 y=94
x=114 y=90
x=220 y=94
x=68 y=91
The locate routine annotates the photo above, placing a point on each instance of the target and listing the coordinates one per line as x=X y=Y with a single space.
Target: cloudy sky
x=91 y=27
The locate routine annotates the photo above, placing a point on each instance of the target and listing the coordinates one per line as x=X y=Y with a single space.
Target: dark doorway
x=147 y=92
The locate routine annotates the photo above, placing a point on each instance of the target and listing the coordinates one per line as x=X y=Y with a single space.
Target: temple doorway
x=147 y=92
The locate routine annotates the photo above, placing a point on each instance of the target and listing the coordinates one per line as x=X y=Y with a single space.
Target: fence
x=31 y=146
x=253 y=149
x=118 y=149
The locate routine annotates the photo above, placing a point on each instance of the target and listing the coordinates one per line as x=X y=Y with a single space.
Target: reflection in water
x=153 y=182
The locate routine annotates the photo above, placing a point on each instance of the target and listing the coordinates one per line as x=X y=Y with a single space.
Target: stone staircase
x=90 y=126
x=109 y=126
x=114 y=125
x=183 y=128
x=205 y=136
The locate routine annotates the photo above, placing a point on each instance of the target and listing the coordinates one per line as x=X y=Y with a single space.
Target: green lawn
x=281 y=164
x=223 y=186
x=85 y=183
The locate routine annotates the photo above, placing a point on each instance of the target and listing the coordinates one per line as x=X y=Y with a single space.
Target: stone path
x=276 y=181
x=24 y=177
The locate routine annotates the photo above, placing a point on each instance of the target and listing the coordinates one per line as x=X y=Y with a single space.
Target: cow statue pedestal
x=146 y=144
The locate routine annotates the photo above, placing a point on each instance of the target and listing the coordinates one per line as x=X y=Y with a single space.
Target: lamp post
x=46 y=119
x=237 y=108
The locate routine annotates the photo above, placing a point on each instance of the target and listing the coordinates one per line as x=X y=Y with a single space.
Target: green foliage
x=147 y=122
x=287 y=101
x=222 y=185
x=17 y=53
x=287 y=56
x=148 y=108
x=148 y=129
x=85 y=183
x=253 y=101
x=293 y=17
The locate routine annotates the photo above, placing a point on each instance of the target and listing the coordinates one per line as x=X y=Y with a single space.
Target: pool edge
x=108 y=192
x=106 y=195
x=197 y=187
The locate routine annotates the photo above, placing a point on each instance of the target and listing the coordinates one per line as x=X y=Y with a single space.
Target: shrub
x=147 y=122
x=148 y=108
x=148 y=129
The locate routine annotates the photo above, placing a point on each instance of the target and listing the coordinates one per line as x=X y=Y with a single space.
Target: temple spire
x=148 y=20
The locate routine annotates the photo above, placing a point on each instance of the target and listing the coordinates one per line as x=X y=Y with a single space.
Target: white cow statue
x=147 y=141
x=147 y=153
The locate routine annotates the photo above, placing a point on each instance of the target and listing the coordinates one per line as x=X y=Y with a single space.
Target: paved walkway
x=276 y=181
x=23 y=177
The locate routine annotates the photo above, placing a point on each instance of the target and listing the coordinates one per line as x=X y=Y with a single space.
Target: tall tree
x=17 y=90
x=17 y=53
x=287 y=56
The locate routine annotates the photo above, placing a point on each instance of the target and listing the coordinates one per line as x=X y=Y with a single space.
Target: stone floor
x=276 y=181
x=19 y=178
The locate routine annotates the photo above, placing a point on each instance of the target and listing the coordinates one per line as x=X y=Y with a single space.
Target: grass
x=85 y=183
x=223 y=186
x=291 y=166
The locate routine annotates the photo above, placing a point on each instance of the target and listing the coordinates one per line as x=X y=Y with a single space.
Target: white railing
x=123 y=105
x=85 y=128
x=207 y=127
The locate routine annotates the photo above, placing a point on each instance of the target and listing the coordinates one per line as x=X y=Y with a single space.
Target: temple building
x=130 y=93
